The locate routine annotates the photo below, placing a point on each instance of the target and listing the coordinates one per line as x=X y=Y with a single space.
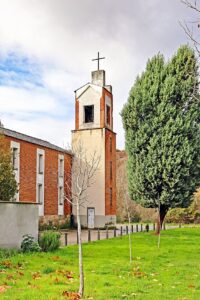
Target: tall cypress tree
x=161 y=121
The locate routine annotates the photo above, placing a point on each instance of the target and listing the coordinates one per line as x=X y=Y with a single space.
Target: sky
x=46 y=52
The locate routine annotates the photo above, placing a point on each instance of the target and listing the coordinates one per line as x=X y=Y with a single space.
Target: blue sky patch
x=19 y=71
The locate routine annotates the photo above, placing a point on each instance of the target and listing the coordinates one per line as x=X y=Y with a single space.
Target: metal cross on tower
x=98 y=59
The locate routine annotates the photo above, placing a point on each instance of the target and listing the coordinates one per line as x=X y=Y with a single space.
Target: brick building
x=41 y=168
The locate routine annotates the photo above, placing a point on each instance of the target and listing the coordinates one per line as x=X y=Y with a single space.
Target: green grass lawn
x=172 y=272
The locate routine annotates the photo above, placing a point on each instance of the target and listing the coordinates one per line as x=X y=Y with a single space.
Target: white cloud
x=55 y=131
x=63 y=36
x=15 y=100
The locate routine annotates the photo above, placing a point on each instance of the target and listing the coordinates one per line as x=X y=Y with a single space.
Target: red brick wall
x=27 y=191
x=102 y=111
x=27 y=171
x=110 y=183
x=67 y=186
x=103 y=108
x=51 y=182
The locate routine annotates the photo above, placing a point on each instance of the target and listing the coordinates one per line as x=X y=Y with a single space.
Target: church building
x=94 y=130
x=41 y=168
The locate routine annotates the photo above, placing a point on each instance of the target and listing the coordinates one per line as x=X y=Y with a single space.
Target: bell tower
x=94 y=129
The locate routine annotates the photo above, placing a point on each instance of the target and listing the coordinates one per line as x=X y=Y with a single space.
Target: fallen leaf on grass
x=56 y=280
x=140 y=274
x=55 y=258
x=3 y=288
x=65 y=273
x=9 y=277
x=20 y=273
x=71 y=295
x=19 y=266
x=191 y=286
x=32 y=286
x=36 y=275
x=6 y=264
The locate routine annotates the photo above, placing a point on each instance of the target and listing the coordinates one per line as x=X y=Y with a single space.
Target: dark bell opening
x=89 y=113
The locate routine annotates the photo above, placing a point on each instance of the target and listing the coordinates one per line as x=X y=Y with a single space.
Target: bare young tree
x=126 y=198
x=192 y=31
x=80 y=179
x=125 y=202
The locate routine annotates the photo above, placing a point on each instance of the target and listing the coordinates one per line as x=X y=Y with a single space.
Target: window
x=61 y=195
x=110 y=145
x=15 y=158
x=108 y=114
x=61 y=168
x=110 y=196
x=40 y=164
x=40 y=193
x=89 y=113
x=110 y=170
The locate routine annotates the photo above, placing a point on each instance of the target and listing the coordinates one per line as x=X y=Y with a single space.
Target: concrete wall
x=93 y=140
x=16 y=220
x=99 y=221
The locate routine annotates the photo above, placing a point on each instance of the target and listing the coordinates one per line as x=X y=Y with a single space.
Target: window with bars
x=61 y=195
x=61 y=167
x=40 y=163
x=110 y=145
x=15 y=156
x=40 y=193
x=108 y=117
x=111 y=175
x=111 y=196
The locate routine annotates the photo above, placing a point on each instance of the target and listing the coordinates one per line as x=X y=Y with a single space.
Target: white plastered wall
x=17 y=171
x=60 y=184
x=91 y=96
x=40 y=180
x=93 y=140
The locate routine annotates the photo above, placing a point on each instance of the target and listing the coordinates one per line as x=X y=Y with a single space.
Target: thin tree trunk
x=129 y=236
x=129 y=233
x=81 y=274
x=161 y=216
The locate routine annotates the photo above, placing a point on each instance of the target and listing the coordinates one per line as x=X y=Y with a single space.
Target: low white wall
x=16 y=220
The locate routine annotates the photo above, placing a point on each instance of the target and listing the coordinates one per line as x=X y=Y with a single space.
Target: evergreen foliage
x=8 y=185
x=161 y=121
x=29 y=245
x=49 y=241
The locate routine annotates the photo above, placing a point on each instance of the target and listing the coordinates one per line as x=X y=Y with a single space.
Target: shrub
x=49 y=241
x=29 y=245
